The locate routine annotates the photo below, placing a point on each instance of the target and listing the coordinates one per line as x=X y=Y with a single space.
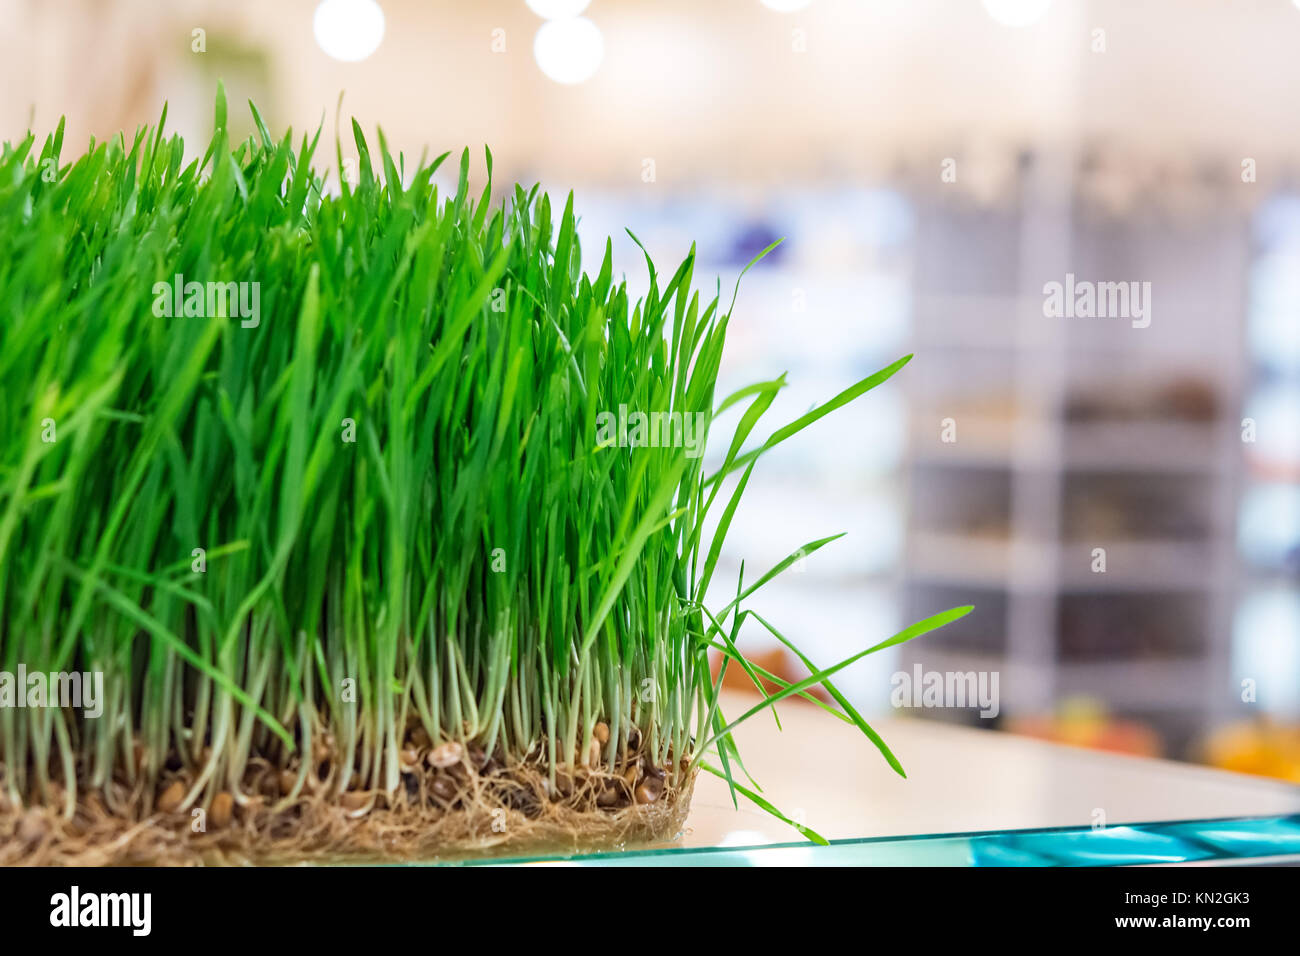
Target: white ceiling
x=707 y=89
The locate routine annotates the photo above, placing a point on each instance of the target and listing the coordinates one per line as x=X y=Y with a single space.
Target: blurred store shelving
x=1085 y=498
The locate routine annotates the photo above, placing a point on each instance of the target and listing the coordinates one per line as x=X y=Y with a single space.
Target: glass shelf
x=971 y=798
x=1258 y=839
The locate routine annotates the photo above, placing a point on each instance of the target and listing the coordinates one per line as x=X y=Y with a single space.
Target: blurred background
x=1120 y=503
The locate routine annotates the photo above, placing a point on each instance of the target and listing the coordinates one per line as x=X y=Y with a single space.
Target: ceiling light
x=570 y=50
x=348 y=30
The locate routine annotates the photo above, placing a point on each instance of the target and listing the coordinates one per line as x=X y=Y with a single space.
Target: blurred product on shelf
x=1262 y=747
x=983 y=634
x=778 y=662
x=1184 y=399
x=1085 y=722
x=1137 y=507
x=968 y=502
x=1131 y=627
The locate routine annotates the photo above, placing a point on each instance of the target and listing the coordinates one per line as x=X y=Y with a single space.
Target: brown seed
x=593 y=753
x=171 y=798
x=354 y=799
x=445 y=755
x=443 y=788
x=630 y=775
x=563 y=783
x=409 y=758
x=287 y=779
x=602 y=732
x=608 y=797
x=222 y=807
x=649 y=791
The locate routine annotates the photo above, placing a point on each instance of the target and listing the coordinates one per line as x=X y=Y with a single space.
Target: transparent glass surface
x=1257 y=840
x=971 y=798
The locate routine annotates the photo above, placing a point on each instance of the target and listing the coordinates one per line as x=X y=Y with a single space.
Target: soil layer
x=451 y=804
